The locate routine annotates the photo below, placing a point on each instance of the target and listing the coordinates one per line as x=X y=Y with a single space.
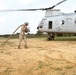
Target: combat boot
x=25 y=46
x=19 y=47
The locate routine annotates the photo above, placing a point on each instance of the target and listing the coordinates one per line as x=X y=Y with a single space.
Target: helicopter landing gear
x=51 y=37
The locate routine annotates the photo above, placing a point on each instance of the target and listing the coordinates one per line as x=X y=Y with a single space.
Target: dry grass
x=41 y=58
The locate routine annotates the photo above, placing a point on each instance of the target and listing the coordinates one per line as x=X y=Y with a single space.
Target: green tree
x=39 y=32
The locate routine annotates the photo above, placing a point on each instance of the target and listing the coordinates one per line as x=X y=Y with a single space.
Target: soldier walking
x=22 y=35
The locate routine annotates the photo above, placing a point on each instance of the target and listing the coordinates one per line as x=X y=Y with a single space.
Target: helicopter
x=54 y=20
x=57 y=22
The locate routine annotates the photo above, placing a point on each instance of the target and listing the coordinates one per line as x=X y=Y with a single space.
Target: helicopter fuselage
x=58 y=23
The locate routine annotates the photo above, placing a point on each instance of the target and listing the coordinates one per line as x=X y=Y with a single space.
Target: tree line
x=37 y=34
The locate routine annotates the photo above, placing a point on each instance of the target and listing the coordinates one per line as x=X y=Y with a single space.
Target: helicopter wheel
x=51 y=37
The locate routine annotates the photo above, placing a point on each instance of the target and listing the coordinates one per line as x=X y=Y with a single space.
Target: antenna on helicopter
x=34 y=9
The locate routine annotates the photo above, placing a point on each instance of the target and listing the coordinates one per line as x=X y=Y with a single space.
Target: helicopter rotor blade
x=10 y=10
x=21 y=10
x=55 y=5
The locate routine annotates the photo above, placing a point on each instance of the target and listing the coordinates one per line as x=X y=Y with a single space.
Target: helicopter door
x=50 y=25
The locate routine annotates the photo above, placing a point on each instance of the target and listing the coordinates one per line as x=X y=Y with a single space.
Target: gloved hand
x=27 y=30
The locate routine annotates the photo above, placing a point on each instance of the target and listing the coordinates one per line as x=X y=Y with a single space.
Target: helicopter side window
x=63 y=22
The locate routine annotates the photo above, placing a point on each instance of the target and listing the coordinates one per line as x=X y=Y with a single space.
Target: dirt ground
x=41 y=58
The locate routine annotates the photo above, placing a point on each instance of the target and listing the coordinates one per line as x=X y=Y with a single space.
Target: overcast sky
x=9 y=21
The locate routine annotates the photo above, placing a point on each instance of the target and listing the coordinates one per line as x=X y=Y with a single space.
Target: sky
x=9 y=21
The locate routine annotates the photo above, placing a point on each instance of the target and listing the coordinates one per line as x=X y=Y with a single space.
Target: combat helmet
x=26 y=23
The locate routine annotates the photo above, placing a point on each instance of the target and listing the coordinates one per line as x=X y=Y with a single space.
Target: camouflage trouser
x=22 y=38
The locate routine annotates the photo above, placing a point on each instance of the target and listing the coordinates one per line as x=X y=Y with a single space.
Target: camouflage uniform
x=22 y=35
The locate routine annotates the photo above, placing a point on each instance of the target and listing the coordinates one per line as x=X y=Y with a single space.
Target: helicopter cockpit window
x=43 y=20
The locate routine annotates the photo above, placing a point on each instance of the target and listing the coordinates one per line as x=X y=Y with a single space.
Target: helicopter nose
x=39 y=26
